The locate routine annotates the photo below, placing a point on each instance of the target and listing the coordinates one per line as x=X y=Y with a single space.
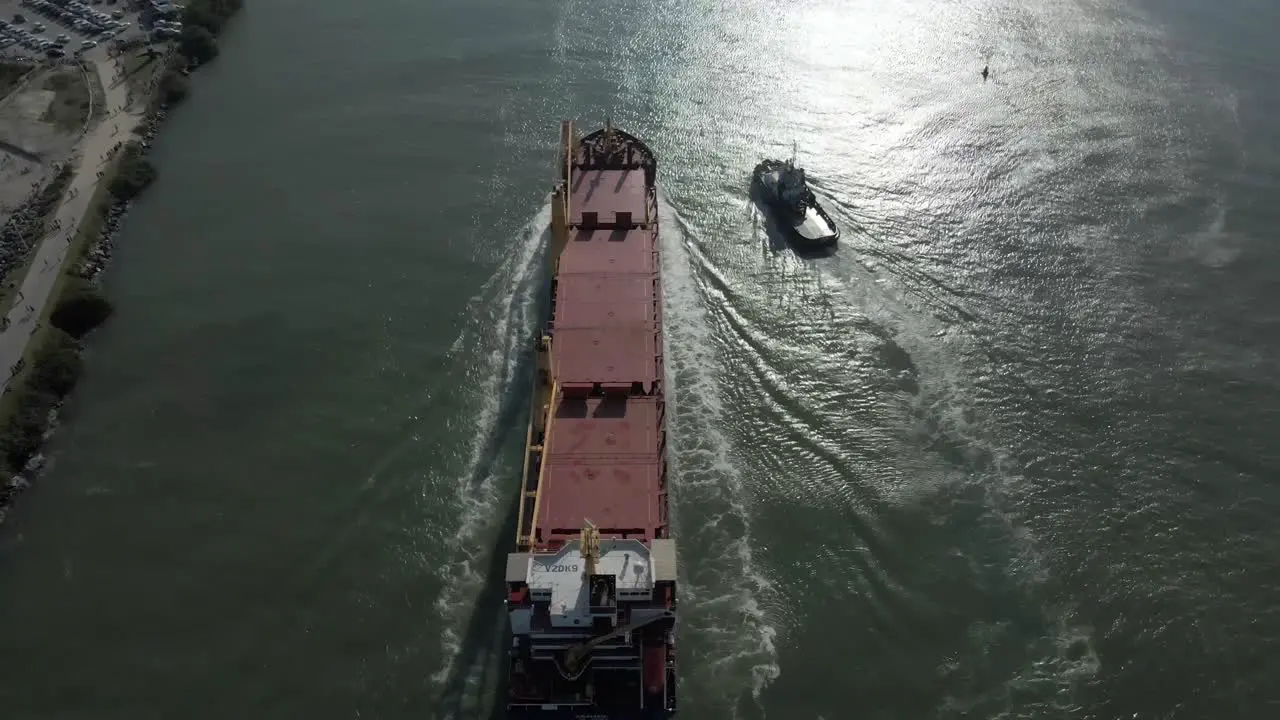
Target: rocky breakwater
x=80 y=308
x=19 y=482
x=98 y=254
x=26 y=224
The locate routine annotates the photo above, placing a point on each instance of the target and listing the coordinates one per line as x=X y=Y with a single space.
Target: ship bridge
x=625 y=571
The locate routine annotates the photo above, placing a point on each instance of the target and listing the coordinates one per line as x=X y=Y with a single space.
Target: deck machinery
x=591 y=588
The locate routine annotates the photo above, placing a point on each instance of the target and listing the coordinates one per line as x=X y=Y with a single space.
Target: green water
x=1009 y=453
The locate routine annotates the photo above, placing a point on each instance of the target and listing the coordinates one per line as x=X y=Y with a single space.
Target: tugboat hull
x=806 y=225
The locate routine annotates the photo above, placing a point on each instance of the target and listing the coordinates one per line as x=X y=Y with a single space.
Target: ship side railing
x=526 y=494
x=659 y=389
x=535 y=455
x=568 y=148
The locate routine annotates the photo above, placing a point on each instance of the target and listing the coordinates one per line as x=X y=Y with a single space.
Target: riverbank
x=59 y=302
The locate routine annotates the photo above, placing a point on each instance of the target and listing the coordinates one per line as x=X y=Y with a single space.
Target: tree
x=80 y=310
x=198 y=44
x=173 y=87
x=210 y=14
x=201 y=17
x=57 y=366
x=21 y=436
x=133 y=174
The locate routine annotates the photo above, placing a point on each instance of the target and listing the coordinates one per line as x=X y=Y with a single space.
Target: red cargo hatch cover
x=603 y=465
x=606 y=355
x=606 y=252
x=594 y=301
x=607 y=192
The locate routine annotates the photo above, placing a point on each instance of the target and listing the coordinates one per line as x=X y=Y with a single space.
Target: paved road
x=89 y=156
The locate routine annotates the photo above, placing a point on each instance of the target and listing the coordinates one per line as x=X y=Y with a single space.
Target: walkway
x=90 y=155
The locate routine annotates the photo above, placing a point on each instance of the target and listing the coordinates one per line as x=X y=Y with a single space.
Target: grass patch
x=99 y=94
x=10 y=75
x=71 y=102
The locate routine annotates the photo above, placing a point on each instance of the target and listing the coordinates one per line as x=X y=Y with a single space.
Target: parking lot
x=53 y=29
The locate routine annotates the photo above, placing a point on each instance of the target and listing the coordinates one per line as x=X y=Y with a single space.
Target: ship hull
x=591 y=587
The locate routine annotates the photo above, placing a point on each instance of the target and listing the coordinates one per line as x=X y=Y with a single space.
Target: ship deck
x=591 y=586
x=603 y=465
x=603 y=460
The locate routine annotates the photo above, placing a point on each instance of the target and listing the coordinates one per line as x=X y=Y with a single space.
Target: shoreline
x=64 y=311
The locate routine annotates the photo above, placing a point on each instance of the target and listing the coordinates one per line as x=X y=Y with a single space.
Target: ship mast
x=590 y=547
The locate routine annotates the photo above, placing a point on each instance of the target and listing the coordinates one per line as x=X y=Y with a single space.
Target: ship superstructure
x=591 y=588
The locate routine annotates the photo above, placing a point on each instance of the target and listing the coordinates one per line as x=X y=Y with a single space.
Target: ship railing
x=568 y=148
x=568 y=702
x=535 y=453
x=595 y=159
x=525 y=492
x=555 y=284
x=541 y=646
x=663 y=520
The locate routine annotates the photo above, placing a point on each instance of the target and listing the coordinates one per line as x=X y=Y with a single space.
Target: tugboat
x=782 y=186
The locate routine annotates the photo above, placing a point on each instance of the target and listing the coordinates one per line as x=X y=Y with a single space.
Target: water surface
x=1009 y=453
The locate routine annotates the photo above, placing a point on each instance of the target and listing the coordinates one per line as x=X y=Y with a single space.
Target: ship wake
x=730 y=641
x=468 y=609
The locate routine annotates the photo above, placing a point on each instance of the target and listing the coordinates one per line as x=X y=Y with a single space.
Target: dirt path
x=89 y=158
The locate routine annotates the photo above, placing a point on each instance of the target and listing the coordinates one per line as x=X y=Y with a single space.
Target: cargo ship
x=591 y=587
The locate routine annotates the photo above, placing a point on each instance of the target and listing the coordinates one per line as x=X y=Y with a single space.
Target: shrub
x=197 y=44
x=56 y=367
x=81 y=309
x=133 y=174
x=60 y=81
x=173 y=87
x=22 y=434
